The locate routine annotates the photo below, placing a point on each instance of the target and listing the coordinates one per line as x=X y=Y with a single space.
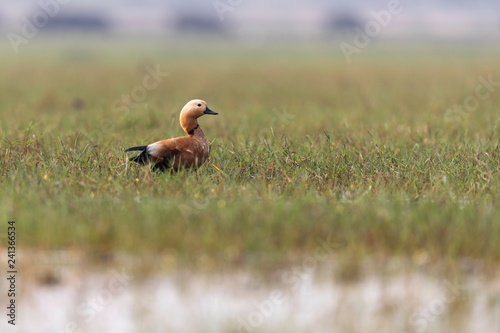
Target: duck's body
x=186 y=152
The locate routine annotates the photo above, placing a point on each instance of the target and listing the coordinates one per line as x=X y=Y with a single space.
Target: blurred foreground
x=310 y=296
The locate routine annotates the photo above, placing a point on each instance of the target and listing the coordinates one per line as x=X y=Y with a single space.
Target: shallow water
x=292 y=299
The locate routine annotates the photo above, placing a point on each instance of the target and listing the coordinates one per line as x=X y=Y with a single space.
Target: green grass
x=304 y=147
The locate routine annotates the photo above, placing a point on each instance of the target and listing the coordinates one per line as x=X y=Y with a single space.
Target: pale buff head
x=191 y=112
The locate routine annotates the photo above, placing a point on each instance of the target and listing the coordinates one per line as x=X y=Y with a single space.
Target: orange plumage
x=186 y=152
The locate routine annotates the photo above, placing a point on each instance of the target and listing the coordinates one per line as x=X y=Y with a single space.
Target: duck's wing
x=161 y=151
x=164 y=149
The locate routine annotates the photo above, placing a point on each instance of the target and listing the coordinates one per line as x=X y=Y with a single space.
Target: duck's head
x=191 y=112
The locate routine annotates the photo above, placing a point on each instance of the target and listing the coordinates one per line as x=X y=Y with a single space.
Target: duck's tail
x=143 y=157
x=136 y=148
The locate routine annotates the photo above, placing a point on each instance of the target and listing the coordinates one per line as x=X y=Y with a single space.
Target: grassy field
x=305 y=147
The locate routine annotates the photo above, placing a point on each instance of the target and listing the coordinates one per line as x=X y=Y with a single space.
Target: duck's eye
x=199 y=104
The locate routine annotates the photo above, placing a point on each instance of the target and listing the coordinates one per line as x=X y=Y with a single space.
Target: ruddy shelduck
x=186 y=152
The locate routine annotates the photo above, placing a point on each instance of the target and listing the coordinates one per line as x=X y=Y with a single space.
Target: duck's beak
x=208 y=111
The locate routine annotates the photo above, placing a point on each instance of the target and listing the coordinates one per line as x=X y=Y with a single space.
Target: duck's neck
x=188 y=123
x=192 y=128
x=191 y=132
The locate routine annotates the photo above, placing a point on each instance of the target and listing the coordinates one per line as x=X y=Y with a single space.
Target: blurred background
x=296 y=20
